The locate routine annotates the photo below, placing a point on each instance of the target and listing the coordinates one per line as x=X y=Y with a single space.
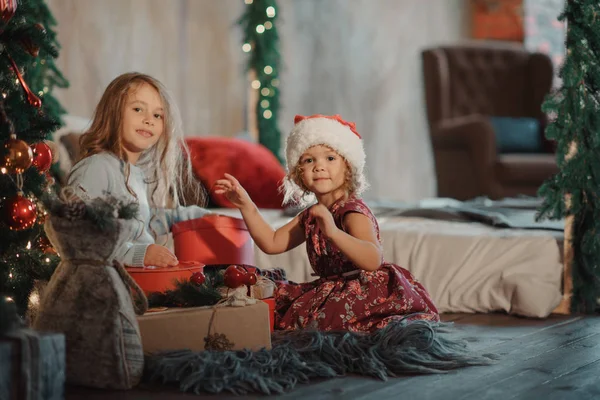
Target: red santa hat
x=331 y=131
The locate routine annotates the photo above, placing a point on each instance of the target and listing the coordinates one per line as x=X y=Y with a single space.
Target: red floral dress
x=365 y=301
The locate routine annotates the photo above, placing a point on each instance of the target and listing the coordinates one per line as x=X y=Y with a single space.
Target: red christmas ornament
x=19 y=212
x=7 y=9
x=45 y=246
x=17 y=156
x=235 y=276
x=32 y=99
x=198 y=278
x=42 y=156
x=251 y=279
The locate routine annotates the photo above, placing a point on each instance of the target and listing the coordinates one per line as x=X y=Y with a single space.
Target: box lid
x=183 y=266
x=209 y=222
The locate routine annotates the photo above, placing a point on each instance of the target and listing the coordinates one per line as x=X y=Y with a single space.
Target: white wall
x=358 y=58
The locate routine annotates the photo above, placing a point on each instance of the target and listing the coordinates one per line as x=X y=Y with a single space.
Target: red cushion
x=257 y=169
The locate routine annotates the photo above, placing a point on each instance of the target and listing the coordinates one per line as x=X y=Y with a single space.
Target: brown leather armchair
x=465 y=85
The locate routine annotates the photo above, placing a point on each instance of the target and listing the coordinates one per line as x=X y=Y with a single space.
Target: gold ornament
x=17 y=156
x=42 y=214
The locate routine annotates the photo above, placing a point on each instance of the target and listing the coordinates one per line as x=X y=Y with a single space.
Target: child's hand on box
x=159 y=256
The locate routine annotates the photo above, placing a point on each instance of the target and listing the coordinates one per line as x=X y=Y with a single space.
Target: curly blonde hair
x=167 y=163
x=295 y=176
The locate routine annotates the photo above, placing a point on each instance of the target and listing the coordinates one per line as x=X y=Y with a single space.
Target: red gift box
x=213 y=239
x=271 y=303
x=152 y=279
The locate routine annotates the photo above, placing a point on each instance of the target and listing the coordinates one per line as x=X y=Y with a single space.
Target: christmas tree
x=29 y=115
x=575 y=110
x=262 y=42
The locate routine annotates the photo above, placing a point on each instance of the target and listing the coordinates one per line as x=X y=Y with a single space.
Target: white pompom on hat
x=331 y=131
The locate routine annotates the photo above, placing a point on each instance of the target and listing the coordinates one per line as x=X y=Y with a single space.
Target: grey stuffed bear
x=89 y=299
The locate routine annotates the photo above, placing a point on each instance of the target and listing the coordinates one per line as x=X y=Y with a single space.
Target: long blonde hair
x=167 y=163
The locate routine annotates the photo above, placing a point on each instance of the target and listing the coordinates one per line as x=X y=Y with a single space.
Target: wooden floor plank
x=533 y=372
x=528 y=348
x=512 y=352
x=580 y=384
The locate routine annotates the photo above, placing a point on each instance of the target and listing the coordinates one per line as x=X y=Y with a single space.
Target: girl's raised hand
x=233 y=191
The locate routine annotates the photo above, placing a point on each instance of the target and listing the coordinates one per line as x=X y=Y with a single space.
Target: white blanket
x=466 y=267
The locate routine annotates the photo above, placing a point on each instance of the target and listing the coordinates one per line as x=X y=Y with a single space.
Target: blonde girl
x=135 y=150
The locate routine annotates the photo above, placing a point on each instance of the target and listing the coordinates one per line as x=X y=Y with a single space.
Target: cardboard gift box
x=32 y=365
x=234 y=328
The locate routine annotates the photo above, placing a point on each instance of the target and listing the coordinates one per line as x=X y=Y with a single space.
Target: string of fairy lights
x=28 y=47
x=39 y=209
x=261 y=43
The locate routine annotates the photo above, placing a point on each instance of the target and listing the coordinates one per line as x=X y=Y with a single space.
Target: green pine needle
x=575 y=112
x=188 y=294
x=259 y=24
x=20 y=261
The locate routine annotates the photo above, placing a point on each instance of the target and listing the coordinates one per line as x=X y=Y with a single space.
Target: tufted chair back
x=464 y=86
x=486 y=78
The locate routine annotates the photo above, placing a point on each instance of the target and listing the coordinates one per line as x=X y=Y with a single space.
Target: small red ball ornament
x=42 y=156
x=198 y=278
x=45 y=246
x=251 y=279
x=235 y=276
x=19 y=212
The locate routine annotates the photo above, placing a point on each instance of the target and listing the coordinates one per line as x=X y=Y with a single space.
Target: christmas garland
x=261 y=41
x=202 y=289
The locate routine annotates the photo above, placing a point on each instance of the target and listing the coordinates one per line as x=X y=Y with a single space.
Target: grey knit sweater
x=104 y=174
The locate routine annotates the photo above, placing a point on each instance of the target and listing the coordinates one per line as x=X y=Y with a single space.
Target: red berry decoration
x=235 y=276
x=198 y=278
x=251 y=279
x=42 y=156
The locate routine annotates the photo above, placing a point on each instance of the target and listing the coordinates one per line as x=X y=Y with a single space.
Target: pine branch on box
x=188 y=294
x=575 y=126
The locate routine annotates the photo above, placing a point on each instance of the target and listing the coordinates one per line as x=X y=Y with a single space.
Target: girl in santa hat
x=356 y=289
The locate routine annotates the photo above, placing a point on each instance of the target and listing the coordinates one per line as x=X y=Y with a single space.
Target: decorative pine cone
x=74 y=210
